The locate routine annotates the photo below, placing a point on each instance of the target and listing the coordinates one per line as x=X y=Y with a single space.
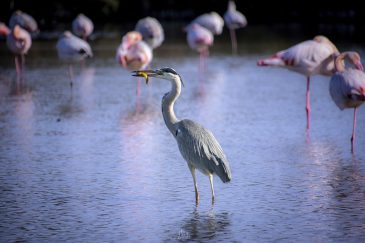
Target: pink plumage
x=309 y=58
x=133 y=53
x=347 y=85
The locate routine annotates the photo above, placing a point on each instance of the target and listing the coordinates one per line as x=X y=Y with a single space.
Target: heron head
x=162 y=73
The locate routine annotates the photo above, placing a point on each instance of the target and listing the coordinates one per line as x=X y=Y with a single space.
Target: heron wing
x=199 y=147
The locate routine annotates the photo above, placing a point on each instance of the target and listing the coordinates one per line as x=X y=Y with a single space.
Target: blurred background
x=345 y=19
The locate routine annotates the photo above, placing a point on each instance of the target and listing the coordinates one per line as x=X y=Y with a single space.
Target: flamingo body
x=233 y=18
x=19 y=41
x=71 y=48
x=199 y=38
x=133 y=53
x=4 y=30
x=24 y=20
x=151 y=30
x=82 y=26
x=211 y=21
x=308 y=58
x=347 y=85
x=347 y=88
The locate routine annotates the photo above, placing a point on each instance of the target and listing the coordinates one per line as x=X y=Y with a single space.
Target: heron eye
x=177 y=131
x=82 y=51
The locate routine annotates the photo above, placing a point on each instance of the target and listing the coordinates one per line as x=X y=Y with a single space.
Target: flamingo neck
x=339 y=62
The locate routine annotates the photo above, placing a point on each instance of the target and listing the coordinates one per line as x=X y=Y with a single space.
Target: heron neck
x=168 y=102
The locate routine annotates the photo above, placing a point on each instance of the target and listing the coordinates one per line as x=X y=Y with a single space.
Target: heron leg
x=307 y=107
x=192 y=170
x=211 y=186
x=353 y=132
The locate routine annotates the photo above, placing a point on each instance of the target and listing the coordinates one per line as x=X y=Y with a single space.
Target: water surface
x=97 y=164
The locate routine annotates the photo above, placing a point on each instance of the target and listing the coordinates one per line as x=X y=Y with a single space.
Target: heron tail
x=223 y=170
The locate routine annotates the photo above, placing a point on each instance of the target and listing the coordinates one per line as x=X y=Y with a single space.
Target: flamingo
x=347 y=85
x=151 y=31
x=234 y=20
x=24 y=20
x=133 y=53
x=4 y=30
x=309 y=58
x=19 y=42
x=199 y=39
x=211 y=21
x=71 y=49
x=82 y=26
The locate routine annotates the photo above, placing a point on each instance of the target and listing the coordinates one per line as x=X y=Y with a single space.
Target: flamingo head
x=130 y=39
x=355 y=59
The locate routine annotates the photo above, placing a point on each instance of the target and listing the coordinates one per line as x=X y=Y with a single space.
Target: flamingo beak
x=359 y=66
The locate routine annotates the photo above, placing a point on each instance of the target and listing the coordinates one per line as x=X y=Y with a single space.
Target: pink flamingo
x=19 y=42
x=151 y=31
x=24 y=20
x=82 y=26
x=234 y=20
x=71 y=49
x=4 y=30
x=309 y=58
x=211 y=21
x=133 y=53
x=347 y=85
x=199 y=39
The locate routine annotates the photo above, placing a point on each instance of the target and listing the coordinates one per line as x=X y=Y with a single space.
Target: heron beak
x=144 y=73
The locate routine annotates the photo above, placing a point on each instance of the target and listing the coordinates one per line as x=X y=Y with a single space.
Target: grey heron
x=347 y=85
x=197 y=145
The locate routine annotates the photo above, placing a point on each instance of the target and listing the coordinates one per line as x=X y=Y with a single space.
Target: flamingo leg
x=22 y=61
x=138 y=87
x=18 y=68
x=353 y=132
x=201 y=62
x=234 y=41
x=307 y=107
x=71 y=75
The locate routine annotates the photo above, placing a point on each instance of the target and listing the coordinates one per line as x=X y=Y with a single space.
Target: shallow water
x=97 y=164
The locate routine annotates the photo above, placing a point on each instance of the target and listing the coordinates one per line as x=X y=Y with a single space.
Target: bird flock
x=198 y=146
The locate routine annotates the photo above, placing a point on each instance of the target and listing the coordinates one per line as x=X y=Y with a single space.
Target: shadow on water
x=203 y=226
x=348 y=205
